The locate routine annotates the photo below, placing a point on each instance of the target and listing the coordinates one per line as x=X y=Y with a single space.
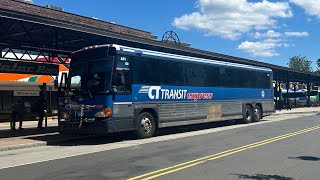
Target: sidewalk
x=299 y=110
x=30 y=136
x=28 y=124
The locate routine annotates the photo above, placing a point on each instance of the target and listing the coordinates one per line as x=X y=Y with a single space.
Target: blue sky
x=269 y=31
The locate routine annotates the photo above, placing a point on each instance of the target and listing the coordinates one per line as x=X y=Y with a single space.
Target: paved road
x=278 y=149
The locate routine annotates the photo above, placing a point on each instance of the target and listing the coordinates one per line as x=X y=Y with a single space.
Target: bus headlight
x=106 y=112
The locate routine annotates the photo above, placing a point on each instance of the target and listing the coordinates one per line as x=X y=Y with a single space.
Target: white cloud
x=310 y=6
x=286 y=45
x=231 y=19
x=269 y=42
x=297 y=34
x=271 y=34
x=260 y=49
x=268 y=34
x=273 y=40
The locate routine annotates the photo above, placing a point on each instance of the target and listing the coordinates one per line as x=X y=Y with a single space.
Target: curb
x=38 y=144
x=22 y=146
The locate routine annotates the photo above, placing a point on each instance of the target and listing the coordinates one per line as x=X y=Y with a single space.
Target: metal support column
x=276 y=95
x=43 y=90
x=1 y=49
x=43 y=94
x=294 y=94
x=288 y=96
x=280 y=96
x=308 y=93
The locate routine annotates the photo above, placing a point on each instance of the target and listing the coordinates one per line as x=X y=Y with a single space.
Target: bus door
x=122 y=97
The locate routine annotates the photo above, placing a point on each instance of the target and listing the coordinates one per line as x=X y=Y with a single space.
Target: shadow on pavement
x=127 y=136
x=306 y=158
x=263 y=177
x=78 y=140
x=196 y=127
x=54 y=138
x=26 y=132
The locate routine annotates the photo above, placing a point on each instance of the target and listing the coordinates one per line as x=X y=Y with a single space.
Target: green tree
x=318 y=66
x=300 y=63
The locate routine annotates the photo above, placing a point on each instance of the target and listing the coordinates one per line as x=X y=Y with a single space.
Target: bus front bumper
x=95 y=127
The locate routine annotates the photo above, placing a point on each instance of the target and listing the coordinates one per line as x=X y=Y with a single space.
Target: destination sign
x=7 y=66
x=26 y=93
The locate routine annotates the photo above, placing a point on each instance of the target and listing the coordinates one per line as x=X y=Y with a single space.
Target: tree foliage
x=300 y=63
x=318 y=66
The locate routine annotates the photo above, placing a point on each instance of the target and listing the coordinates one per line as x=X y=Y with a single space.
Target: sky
x=270 y=31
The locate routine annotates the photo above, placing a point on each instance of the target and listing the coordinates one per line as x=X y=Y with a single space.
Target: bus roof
x=143 y=52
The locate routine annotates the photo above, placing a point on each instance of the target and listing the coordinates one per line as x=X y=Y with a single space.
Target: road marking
x=188 y=164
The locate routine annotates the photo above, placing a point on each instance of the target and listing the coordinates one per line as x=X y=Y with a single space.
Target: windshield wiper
x=89 y=93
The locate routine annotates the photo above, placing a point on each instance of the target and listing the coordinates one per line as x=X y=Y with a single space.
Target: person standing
x=18 y=110
x=288 y=104
x=41 y=106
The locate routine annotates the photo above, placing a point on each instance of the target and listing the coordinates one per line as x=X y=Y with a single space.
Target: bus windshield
x=92 y=76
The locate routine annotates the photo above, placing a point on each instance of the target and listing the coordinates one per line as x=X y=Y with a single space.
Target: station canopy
x=54 y=34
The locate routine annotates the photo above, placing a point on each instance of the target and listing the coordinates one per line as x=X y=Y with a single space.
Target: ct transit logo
x=158 y=93
x=262 y=94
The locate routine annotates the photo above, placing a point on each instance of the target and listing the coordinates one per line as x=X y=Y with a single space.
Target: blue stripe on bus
x=181 y=93
x=185 y=93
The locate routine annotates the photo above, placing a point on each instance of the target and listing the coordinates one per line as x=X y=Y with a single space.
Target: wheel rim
x=146 y=124
x=248 y=114
x=257 y=113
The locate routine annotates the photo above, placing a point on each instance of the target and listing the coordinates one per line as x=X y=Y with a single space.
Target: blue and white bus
x=116 y=88
x=297 y=98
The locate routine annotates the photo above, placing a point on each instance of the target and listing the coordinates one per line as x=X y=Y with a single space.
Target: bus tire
x=256 y=114
x=145 y=125
x=247 y=115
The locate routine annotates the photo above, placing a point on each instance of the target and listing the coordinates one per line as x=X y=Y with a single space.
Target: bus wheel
x=247 y=115
x=145 y=125
x=256 y=114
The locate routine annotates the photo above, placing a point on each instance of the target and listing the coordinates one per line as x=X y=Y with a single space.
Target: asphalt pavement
x=279 y=149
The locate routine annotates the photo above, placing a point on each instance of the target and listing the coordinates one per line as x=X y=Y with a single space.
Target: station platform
x=30 y=136
x=28 y=124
